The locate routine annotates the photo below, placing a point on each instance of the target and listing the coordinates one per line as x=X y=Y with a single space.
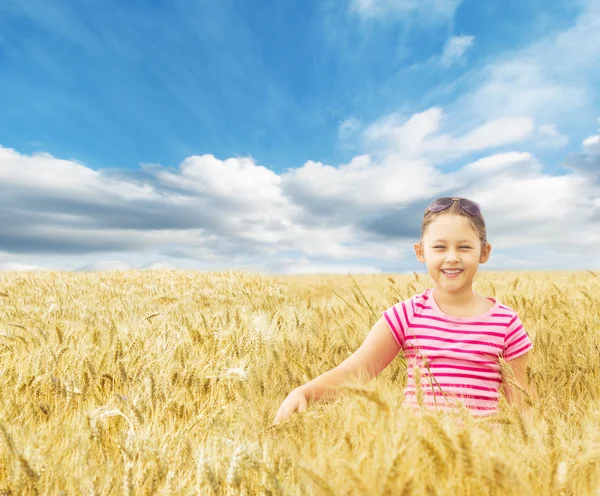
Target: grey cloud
x=323 y=212
x=22 y=215
x=29 y=239
x=395 y=223
x=585 y=164
x=96 y=212
x=382 y=221
x=230 y=246
x=174 y=252
x=65 y=221
x=38 y=223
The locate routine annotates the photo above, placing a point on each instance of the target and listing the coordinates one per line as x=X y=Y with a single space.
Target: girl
x=451 y=336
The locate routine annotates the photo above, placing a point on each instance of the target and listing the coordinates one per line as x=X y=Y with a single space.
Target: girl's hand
x=296 y=400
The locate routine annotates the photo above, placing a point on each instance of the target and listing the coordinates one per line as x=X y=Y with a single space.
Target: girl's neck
x=456 y=299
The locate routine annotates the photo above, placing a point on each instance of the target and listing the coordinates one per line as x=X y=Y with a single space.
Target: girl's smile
x=452 y=274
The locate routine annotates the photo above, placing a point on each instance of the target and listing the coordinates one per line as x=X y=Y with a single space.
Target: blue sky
x=135 y=91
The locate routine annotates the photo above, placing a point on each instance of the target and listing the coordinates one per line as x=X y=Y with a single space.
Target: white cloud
x=591 y=145
x=551 y=80
x=19 y=267
x=52 y=177
x=524 y=206
x=430 y=9
x=236 y=181
x=549 y=136
x=455 y=48
x=106 y=265
x=159 y=265
x=501 y=162
x=306 y=266
x=360 y=185
x=418 y=136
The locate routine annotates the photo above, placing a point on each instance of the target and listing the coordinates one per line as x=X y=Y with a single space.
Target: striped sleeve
x=516 y=341
x=397 y=318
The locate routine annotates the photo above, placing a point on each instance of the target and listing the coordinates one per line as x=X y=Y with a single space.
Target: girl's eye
x=467 y=247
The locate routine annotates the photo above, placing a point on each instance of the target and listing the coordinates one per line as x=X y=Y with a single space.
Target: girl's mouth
x=452 y=274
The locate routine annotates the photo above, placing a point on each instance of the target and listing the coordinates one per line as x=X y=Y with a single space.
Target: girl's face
x=450 y=242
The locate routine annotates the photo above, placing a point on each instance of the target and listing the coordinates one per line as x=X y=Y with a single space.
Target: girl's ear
x=419 y=252
x=485 y=253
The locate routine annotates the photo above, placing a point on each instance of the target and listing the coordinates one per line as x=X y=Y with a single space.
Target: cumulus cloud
x=217 y=214
x=235 y=182
x=455 y=48
x=338 y=194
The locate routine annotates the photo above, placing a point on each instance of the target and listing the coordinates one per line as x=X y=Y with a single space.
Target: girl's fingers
x=284 y=411
x=281 y=415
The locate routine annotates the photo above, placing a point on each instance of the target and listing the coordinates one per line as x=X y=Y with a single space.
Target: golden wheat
x=158 y=382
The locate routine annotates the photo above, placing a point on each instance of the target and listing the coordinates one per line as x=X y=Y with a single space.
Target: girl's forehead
x=450 y=227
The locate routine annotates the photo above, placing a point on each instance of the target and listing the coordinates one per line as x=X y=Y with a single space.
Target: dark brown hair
x=477 y=222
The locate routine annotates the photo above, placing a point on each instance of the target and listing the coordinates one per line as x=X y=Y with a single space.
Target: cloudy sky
x=298 y=136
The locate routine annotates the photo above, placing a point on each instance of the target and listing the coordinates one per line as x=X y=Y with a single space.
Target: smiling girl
x=453 y=335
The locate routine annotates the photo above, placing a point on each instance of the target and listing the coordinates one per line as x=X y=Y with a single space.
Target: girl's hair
x=476 y=221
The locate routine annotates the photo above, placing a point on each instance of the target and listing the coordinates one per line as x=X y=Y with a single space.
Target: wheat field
x=167 y=382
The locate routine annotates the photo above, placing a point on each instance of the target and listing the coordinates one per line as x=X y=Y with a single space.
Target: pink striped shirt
x=462 y=352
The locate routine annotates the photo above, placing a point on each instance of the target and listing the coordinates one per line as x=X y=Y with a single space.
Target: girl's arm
x=375 y=354
x=513 y=394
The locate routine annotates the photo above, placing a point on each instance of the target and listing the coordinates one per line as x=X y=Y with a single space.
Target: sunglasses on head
x=469 y=206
